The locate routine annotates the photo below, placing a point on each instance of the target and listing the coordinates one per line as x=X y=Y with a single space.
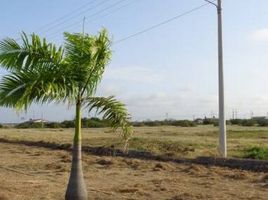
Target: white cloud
x=260 y=35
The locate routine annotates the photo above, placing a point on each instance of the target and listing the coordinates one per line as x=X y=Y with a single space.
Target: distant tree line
x=240 y=122
x=206 y=121
x=182 y=123
x=250 y=122
x=86 y=123
x=100 y=123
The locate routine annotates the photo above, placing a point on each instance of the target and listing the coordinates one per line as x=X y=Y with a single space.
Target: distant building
x=37 y=121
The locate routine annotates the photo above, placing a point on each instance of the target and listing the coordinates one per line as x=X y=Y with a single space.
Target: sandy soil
x=33 y=173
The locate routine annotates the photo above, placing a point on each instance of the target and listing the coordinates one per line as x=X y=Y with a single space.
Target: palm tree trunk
x=76 y=189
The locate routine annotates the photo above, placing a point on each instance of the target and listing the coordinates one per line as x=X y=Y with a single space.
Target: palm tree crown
x=39 y=72
x=59 y=73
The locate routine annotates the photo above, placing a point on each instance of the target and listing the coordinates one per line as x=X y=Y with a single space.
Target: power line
x=161 y=23
x=77 y=23
x=97 y=18
x=66 y=15
x=77 y=15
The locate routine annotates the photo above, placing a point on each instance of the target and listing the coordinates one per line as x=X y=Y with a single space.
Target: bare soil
x=36 y=173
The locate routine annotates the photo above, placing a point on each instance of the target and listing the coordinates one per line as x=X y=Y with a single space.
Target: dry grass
x=39 y=173
x=171 y=141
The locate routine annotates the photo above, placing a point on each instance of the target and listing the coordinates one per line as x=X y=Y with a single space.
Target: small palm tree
x=39 y=72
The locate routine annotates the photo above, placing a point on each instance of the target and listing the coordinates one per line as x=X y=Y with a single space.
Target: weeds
x=257 y=153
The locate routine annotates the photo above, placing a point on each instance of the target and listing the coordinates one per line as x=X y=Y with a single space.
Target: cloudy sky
x=170 y=71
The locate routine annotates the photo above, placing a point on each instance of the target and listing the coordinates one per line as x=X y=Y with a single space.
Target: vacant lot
x=31 y=172
x=177 y=141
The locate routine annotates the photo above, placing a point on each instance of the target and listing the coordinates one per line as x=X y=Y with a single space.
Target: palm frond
x=100 y=59
x=113 y=111
x=88 y=55
x=31 y=53
x=21 y=88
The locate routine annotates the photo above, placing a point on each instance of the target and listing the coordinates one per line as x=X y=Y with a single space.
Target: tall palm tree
x=39 y=72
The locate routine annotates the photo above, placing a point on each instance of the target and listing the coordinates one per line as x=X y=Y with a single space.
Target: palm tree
x=39 y=72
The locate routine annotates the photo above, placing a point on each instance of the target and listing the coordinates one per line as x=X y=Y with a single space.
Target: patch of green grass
x=257 y=153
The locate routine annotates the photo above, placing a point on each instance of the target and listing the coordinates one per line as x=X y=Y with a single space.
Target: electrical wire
x=161 y=23
x=77 y=23
x=44 y=27
x=66 y=20
x=99 y=17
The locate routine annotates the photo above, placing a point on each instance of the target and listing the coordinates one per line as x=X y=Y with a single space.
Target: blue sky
x=171 y=69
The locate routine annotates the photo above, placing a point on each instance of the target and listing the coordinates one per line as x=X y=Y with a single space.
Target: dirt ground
x=29 y=173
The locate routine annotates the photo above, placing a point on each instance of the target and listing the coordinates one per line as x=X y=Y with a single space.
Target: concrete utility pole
x=222 y=123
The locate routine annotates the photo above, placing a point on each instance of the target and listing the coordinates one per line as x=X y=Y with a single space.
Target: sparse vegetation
x=187 y=142
x=35 y=171
x=257 y=152
x=146 y=179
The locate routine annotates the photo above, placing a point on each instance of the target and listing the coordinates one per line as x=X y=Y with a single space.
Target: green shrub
x=248 y=122
x=53 y=125
x=68 y=124
x=216 y=123
x=183 y=123
x=94 y=123
x=1 y=126
x=138 y=124
x=29 y=125
x=153 y=123
x=208 y=121
x=262 y=122
x=236 y=121
x=257 y=153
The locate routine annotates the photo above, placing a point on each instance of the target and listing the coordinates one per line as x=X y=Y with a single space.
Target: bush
x=94 y=123
x=208 y=121
x=262 y=122
x=98 y=124
x=53 y=125
x=248 y=122
x=153 y=123
x=257 y=153
x=216 y=123
x=236 y=121
x=68 y=124
x=29 y=125
x=183 y=123
x=138 y=124
x=1 y=126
